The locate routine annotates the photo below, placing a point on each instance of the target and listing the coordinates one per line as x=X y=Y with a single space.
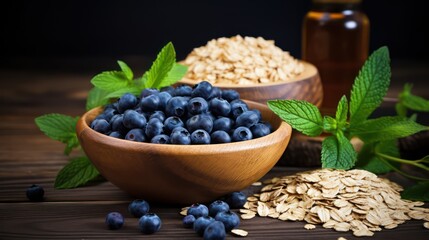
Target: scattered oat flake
x=309 y=226
x=239 y=232
x=184 y=212
x=256 y=184
x=248 y=215
x=342 y=238
x=426 y=225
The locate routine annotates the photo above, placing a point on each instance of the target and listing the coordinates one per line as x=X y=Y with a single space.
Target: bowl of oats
x=254 y=67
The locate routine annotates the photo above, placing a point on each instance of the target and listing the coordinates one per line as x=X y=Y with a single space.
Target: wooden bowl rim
x=309 y=71
x=280 y=134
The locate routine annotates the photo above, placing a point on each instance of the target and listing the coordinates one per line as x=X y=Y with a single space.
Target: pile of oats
x=239 y=60
x=354 y=200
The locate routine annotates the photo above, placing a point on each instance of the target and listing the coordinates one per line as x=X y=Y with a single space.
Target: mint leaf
x=59 y=127
x=126 y=70
x=341 y=114
x=370 y=86
x=418 y=192
x=110 y=81
x=338 y=152
x=118 y=93
x=175 y=74
x=368 y=160
x=401 y=110
x=413 y=102
x=96 y=97
x=330 y=124
x=76 y=173
x=301 y=115
x=386 y=128
x=161 y=66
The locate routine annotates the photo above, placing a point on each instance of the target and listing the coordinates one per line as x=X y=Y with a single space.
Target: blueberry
x=201 y=224
x=171 y=123
x=108 y=113
x=241 y=134
x=154 y=127
x=215 y=231
x=164 y=97
x=180 y=136
x=197 y=105
x=101 y=126
x=176 y=106
x=188 y=221
x=238 y=107
x=220 y=136
x=223 y=123
x=257 y=112
x=220 y=107
x=202 y=89
x=116 y=134
x=149 y=223
x=230 y=95
x=168 y=89
x=150 y=103
x=268 y=125
x=149 y=91
x=183 y=90
x=200 y=136
x=133 y=119
x=117 y=124
x=160 y=139
x=127 y=101
x=198 y=210
x=236 y=199
x=259 y=130
x=215 y=93
x=136 y=135
x=218 y=206
x=138 y=208
x=114 y=220
x=200 y=121
x=247 y=119
x=158 y=114
x=35 y=193
x=229 y=219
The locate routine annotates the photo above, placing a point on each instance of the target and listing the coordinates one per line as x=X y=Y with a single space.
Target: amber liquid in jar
x=335 y=39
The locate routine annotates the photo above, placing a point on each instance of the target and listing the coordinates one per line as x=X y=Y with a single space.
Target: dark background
x=120 y=29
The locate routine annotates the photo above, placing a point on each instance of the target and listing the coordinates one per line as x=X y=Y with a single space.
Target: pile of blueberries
x=214 y=221
x=183 y=115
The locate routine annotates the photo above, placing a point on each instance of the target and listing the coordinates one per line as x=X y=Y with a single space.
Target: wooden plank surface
x=28 y=157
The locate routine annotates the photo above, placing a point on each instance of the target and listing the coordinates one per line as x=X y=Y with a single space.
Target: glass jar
x=335 y=38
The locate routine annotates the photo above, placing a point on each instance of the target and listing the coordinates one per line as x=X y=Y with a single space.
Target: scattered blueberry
x=198 y=210
x=35 y=193
x=201 y=224
x=188 y=221
x=236 y=199
x=138 y=208
x=241 y=134
x=114 y=220
x=218 y=206
x=229 y=219
x=149 y=223
x=215 y=231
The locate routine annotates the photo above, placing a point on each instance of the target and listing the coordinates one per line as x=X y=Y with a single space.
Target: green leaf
x=370 y=86
x=341 y=114
x=110 y=81
x=59 y=127
x=330 y=124
x=96 y=97
x=175 y=74
x=418 y=192
x=401 y=110
x=161 y=66
x=301 y=115
x=126 y=70
x=413 y=102
x=118 y=93
x=368 y=160
x=76 y=173
x=338 y=152
x=386 y=128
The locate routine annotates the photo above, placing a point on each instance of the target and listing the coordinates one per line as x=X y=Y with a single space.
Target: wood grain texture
x=28 y=157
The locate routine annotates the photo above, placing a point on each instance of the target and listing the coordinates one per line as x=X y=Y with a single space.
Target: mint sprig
x=380 y=153
x=108 y=85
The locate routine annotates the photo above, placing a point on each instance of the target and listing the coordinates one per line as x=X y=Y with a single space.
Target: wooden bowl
x=307 y=86
x=183 y=174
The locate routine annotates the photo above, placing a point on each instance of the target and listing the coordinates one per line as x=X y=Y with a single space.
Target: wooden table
x=28 y=157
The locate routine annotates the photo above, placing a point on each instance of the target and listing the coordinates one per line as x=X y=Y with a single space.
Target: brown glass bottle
x=335 y=38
